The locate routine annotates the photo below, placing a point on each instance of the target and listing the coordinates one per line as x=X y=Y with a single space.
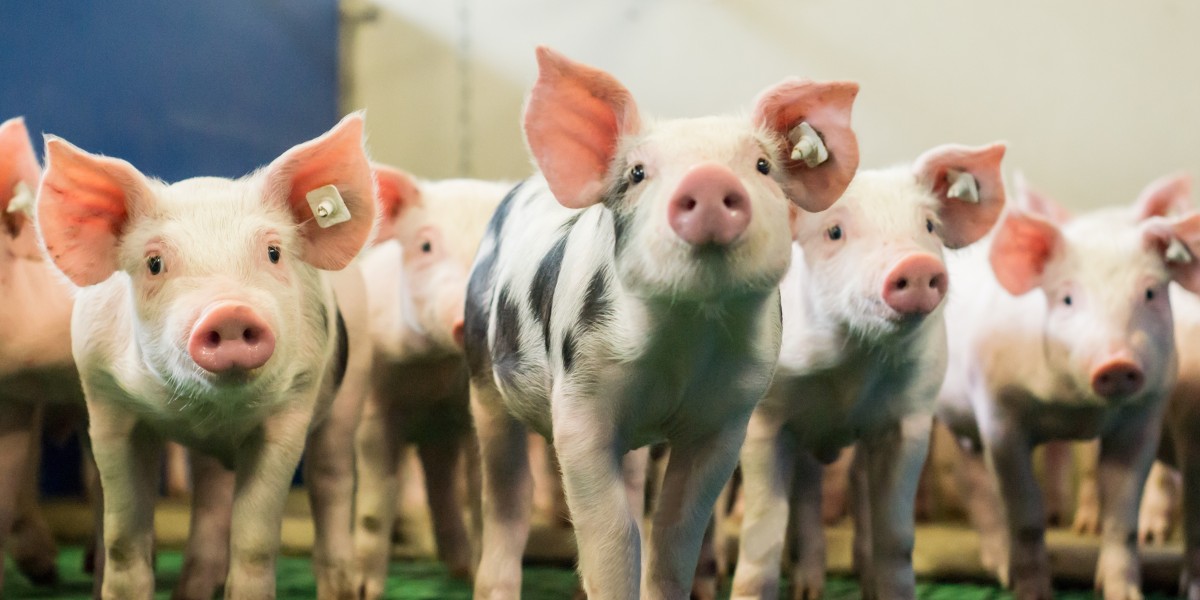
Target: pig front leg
x=507 y=494
x=1010 y=454
x=1087 y=507
x=377 y=448
x=440 y=461
x=768 y=456
x=893 y=459
x=1125 y=458
x=696 y=471
x=127 y=458
x=983 y=505
x=265 y=464
x=17 y=422
x=206 y=556
x=606 y=527
x=808 y=572
x=1156 y=516
x=34 y=549
x=329 y=476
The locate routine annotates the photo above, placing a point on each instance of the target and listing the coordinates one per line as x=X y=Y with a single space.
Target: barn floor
x=943 y=553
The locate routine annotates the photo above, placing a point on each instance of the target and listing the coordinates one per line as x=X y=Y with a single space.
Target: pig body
x=627 y=296
x=35 y=354
x=419 y=377
x=863 y=356
x=202 y=318
x=1089 y=356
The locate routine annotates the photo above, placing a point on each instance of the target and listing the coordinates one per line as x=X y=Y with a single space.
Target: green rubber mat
x=427 y=580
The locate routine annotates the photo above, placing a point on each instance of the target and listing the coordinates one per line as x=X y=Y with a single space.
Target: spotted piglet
x=1068 y=336
x=419 y=269
x=864 y=352
x=627 y=295
x=203 y=317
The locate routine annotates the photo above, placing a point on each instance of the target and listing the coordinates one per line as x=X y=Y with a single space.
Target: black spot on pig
x=568 y=351
x=496 y=225
x=597 y=307
x=545 y=280
x=477 y=311
x=507 y=350
x=343 y=351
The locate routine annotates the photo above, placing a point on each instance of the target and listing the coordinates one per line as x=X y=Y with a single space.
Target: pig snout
x=1117 y=377
x=710 y=206
x=231 y=336
x=457 y=331
x=915 y=285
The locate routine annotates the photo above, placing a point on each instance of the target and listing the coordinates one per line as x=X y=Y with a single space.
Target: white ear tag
x=22 y=200
x=962 y=186
x=327 y=206
x=808 y=145
x=1178 y=253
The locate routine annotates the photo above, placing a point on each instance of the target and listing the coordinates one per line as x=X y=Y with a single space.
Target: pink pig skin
x=36 y=366
x=154 y=263
x=416 y=289
x=1067 y=304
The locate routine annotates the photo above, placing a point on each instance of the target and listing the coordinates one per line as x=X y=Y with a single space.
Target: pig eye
x=427 y=247
x=1067 y=300
x=834 y=233
x=637 y=174
x=154 y=263
x=273 y=254
x=764 y=167
x=1149 y=294
x=929 y=225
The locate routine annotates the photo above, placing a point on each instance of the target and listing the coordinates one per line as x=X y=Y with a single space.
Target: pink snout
x=710 y=206
x=231 y=336
x=1118 y=377
x=915 y=285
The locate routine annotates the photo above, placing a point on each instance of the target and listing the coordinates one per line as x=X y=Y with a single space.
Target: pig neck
x=35 y=322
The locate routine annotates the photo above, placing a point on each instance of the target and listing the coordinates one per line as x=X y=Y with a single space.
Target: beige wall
x=1096 y=98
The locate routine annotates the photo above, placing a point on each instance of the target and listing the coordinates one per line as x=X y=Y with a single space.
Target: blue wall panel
x=178 y=88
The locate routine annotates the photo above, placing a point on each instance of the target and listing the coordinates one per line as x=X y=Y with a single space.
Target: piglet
x=1069 y=335
x=627 y=295
x=416 y=289
x=203 y=317
x=864 y=353
x=35 y=354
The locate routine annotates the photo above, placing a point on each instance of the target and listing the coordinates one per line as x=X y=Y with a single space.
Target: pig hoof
x=809 y=583
x=1087 y=521
x=704 y=588
x=1033 y=589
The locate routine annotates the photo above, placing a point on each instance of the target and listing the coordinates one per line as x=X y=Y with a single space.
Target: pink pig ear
x=336 y=158
x=1023 y=245
x=826 y=108
x=395 y=193
x=83 y=203
x=1165 y=196
x=574 y=118
x=970 y=206
x=1031 y=200
x=1177 y=240
x=18 y=164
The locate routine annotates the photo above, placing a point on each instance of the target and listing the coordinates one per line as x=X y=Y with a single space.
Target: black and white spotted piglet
x=628 y=295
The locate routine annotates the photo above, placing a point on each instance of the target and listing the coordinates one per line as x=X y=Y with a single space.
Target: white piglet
x=419 y=269
x=1068 y=336
x=628 y=295
x=864 y=353
x=203 y=318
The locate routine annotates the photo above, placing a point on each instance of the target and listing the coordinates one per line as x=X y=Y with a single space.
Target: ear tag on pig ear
x=962 y=186
x=808 y=145
x=22 y=200
x=327 y=206
x=1178 y=253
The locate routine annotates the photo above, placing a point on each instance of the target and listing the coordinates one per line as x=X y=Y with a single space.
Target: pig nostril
x=689 y=204
x=214 y=338
x=730 y=202
x=902 y=283
x=933 y=281
x=249 y=336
